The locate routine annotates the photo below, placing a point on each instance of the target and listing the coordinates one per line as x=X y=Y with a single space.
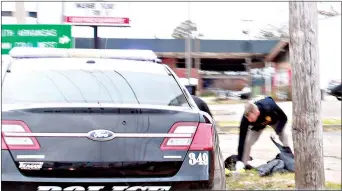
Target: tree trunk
x=307 y=129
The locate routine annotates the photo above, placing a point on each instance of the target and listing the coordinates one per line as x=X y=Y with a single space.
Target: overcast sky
x=215 y=20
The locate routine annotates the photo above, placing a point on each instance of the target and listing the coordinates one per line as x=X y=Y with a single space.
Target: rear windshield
x=82 y=86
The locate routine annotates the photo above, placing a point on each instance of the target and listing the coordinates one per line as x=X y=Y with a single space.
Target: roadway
x=331 y=109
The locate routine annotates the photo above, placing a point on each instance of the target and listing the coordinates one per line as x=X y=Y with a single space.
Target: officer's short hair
x=249 y=108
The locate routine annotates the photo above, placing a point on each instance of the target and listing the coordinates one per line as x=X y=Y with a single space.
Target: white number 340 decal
x=201 y=159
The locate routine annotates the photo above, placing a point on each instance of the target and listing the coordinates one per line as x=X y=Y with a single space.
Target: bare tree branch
x=182 y=30
x=281 y=32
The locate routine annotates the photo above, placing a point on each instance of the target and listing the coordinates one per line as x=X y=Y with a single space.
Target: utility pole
x=307 y=129
x=188 y=48
x=268 y=79
x=63 y=10
x=248 y=60
x=96 y=38
x=20 y=12
x=197 y=49
x=248 y=65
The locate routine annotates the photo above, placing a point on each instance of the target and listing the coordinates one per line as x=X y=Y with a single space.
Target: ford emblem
x=100 y=135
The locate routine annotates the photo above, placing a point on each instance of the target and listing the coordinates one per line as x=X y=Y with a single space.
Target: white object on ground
x=239 y=166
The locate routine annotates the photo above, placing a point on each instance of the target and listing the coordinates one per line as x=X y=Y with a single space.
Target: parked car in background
x=332 y=84
x=245 y=93
x=337 y=91
x=221 y=94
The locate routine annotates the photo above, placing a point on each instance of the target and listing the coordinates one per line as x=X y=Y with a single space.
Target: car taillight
x=201 y=139
x=17 y=143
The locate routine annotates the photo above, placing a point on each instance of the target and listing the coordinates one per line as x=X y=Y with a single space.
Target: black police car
x=91 y=119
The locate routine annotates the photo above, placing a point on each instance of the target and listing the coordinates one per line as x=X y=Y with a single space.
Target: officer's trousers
x=253 y=136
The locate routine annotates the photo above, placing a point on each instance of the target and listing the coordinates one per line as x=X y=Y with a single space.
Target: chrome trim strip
x=122 y=135
x=9 y=107
x=172 y=157
x=30 y=156
x=9 y=134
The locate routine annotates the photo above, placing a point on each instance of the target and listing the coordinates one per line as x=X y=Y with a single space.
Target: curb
x=222 y=131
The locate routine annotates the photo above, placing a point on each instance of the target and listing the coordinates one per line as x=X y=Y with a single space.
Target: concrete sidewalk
x=264 y=150
x=331 y=109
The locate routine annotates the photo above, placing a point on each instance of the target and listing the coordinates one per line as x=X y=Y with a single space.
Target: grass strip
x=250 y=180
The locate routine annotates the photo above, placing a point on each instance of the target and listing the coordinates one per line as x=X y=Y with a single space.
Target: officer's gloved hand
x=240 y=166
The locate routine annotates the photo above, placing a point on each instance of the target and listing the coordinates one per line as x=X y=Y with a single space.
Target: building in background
x=329 y=42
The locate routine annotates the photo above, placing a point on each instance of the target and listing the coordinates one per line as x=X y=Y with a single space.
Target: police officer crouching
x=258 y=114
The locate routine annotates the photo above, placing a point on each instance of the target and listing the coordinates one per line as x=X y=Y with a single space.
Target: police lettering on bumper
x=101 y=188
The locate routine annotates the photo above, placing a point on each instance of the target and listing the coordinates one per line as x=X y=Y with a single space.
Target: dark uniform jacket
x=201 y=104
x=270 y=114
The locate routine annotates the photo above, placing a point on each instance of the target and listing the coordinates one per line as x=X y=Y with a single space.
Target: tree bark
x=307 y=129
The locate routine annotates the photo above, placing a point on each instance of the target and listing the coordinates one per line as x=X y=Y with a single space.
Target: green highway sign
x=35 y=35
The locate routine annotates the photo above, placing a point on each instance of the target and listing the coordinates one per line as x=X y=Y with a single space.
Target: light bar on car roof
x=127 y=54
